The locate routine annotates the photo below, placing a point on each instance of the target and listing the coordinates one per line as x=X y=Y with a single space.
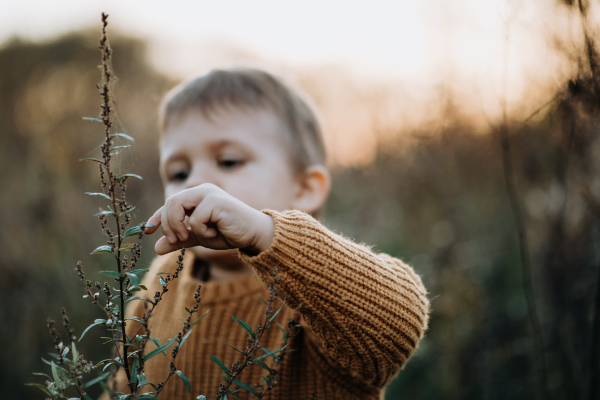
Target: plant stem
x=525 y=268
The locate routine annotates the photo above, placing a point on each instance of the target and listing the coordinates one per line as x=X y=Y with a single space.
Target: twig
x=508 y=170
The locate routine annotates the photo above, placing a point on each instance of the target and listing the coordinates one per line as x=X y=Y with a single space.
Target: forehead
x=194 y=131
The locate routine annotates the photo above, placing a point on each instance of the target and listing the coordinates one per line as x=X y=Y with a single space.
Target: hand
x=217 y=220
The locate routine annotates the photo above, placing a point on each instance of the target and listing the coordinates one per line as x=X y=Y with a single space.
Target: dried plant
x=132 y=352
x=253 y=346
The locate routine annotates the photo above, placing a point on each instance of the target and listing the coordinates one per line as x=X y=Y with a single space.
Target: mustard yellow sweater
x=362 y=316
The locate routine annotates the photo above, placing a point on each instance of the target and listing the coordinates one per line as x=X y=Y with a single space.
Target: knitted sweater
x=362 y=316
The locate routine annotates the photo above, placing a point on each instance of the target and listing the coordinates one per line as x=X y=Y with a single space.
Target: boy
x=241 y=155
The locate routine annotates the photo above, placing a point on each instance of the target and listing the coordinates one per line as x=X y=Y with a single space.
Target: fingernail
x=170 y=240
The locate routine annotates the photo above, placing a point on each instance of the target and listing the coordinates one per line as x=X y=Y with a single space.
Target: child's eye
x=229 y=164
x=180 y=176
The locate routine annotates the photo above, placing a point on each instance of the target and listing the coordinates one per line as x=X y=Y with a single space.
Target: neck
x=218 y=265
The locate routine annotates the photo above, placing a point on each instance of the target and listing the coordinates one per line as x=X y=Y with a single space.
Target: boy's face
x=242 y=151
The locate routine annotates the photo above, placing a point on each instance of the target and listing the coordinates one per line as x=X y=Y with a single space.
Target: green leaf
x=102 y=249
x=162 y=282
x=274 y=315
x=135 y=281
x=123 y=136
x=185 y=380
x=111 y=273
x=41 y=387
x=184 y=339
x=55 y=374
x=244 y=386
x=75 y=353
x=134 y=298
x=46 y=361
x=108 y=361
x=157 y=343
x=99 y=194
x=117 y=148
x=137 y=319
x=136 y=230
x=96 y=380
x=133 y=176
x=270 y=353
x=134 y=371
x=220 y=364
x=138 y=271
x=267 y=351
x=232 y=346
x=159 y=350
x=96 y=323
x=62 y=372
x=126 y=246
x=199 y=319
x=143 y=382
x=265 y=366
x=128 y=211
x=147 y=396
x=261 y=299
x=245 y=326
x=91 y=159
x=41 y=374
x=105 y=213
x=92 y=119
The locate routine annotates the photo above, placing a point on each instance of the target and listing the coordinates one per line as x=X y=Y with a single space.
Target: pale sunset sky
x=481 y=50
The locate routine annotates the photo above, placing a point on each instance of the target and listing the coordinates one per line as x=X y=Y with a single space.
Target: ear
x=313 y=188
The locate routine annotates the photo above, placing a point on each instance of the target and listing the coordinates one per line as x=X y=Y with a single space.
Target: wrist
x=264 y=236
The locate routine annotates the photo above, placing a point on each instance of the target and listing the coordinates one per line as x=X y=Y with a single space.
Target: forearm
x=368 y=310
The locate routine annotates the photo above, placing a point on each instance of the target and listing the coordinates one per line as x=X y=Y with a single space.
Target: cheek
x=170 y=190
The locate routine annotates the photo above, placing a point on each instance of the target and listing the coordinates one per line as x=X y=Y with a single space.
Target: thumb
x=154 y=221
x=163 y=246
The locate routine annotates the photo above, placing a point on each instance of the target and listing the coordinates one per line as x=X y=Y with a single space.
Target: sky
x=399 y=38
x=482 y=50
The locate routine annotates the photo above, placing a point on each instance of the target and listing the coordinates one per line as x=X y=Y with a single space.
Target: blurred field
x=433 y=195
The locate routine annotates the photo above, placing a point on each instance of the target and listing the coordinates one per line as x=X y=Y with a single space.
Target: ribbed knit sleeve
x=368 y=310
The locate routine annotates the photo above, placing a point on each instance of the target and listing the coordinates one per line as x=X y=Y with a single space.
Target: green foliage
x=102 y=249
x=104 y=195
x=245 y=325
x=185 y=380
x=130 y=350
x=159 y=350
x=220 y=364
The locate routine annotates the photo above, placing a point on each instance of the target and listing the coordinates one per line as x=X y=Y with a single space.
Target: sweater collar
x=216 y=292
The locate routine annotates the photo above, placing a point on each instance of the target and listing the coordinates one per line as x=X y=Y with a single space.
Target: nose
x=199 y=175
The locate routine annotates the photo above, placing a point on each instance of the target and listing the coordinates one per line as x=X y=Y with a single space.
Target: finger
x=201 y=222
x=166 y=226
x=154 y=220
x=163 y=246
x=176 y=212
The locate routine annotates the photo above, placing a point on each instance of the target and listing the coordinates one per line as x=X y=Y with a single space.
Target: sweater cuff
x=286 y=245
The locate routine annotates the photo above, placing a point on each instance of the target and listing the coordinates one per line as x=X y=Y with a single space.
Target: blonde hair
x=250 y=88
